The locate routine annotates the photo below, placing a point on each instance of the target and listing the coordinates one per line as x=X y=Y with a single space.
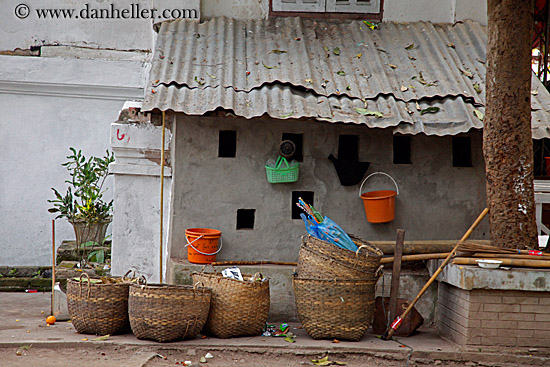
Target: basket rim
x=159 y=286
x=334 y=280
x=124 y=284
x=219 y=275
x=371 y=249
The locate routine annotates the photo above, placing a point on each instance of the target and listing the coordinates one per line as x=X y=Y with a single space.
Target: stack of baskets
x=238 y=308
x=334 y=288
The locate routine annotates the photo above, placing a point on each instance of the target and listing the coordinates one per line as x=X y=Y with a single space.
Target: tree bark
x=507 y=143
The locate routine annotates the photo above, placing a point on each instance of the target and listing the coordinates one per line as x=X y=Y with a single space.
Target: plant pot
x=89 y=231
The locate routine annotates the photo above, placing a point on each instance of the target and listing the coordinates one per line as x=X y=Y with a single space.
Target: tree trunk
x=507 y=144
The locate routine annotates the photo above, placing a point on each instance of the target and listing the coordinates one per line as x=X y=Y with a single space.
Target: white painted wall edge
x=71 y=90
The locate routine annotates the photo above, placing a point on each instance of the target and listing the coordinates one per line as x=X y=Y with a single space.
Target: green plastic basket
x=282 y=172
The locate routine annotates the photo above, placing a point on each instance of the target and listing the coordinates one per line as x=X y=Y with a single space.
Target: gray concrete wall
x=436 y=200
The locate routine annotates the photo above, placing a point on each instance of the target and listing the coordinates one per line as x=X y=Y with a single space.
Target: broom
x=397 y=322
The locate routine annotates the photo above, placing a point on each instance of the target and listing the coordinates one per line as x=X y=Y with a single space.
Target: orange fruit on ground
x=50 y=320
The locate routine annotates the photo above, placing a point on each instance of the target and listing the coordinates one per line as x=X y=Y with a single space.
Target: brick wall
x=493 y=317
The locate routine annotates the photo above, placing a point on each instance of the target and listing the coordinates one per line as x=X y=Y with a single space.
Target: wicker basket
x=313 y=264
x=335 y=309
x=367 y=258
x=168 y=312
x=239 y=308
x=97 y=308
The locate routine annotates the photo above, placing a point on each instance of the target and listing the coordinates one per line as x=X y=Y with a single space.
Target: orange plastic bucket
x=379 y=205
x=202 y=245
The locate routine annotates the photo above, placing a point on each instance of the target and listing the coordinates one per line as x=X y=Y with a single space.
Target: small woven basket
x=97 y=308
x=313 y=264
x=366 y=258
x=283 y=174
x=238 y=308
x=335 y=308
x=168 y=312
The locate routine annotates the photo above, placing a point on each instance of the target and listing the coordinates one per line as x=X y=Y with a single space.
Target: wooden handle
x=397 y=322
x=224 y=263
x=506 y=262
x=439 y=255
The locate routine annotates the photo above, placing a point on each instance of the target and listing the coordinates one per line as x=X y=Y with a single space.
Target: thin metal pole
x=53 y=266
x=162 y=188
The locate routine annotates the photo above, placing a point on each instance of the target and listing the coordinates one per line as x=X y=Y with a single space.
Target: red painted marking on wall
x=120 y=137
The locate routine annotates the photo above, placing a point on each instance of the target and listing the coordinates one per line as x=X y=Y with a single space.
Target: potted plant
x=83 y=203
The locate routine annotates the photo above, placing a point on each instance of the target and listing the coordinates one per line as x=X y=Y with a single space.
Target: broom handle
x=395 y=325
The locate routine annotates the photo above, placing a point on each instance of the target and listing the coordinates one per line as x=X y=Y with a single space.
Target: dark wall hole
x=227 y=147
x=245 y=218
x=401 y=149
x=462 y=151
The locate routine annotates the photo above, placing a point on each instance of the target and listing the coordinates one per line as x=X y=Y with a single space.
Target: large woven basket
x=313 y=264
x=99 y=309
x=335 y=308
x=366 y=258
x=238 y=308
x=168 y=312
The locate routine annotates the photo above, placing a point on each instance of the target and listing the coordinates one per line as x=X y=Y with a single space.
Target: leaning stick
x=395 y=324
x=53 y=266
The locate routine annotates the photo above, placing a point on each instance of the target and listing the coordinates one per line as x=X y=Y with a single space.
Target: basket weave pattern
x=99 y=309
x=168 y=312
x=313 y=264
x=366 y=259
x=238 y=308
x=341 y=309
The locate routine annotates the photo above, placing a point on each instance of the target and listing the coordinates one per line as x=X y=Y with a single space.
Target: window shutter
x=353 y=6
x=314 y=6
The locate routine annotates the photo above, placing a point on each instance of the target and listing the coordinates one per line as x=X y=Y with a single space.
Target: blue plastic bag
x=328 y=231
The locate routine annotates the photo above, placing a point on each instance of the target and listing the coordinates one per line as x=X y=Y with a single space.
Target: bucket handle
x=200 y=252
x=280 y=162
x=378 y=173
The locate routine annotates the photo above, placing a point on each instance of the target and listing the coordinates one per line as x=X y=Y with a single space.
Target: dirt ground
x=115 y=356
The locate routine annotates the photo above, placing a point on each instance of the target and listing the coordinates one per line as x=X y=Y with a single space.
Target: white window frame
x=327 y=6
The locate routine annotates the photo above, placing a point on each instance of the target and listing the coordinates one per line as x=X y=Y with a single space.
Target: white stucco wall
x=436 y=11
x=22 y=27
x=51 y=104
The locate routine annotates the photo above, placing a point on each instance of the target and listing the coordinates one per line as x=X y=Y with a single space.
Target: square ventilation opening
x=348 y=147
x=401 y=149
x=227 y=146
x=462 y=151
x=245 y=218
x=298 y=140
x=307 y=196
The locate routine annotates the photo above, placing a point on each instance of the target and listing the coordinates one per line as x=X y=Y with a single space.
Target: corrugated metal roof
x=294 y=67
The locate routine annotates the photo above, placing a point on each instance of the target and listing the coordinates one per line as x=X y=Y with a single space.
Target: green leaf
x=341 y=73
x=365 y=112
x=326 y=49
x=278 y=52
x=287 y=115
x=479 y=115
x=321 y=362
x=269 y=67
x=336 y=51
x=477 y=87
x=101 y=338
x=429 y=110
x=410 y=47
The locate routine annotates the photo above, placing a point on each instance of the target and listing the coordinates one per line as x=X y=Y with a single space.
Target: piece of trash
x=336 y=341
x=429 y=110
x=372 y=26
x=101 y=338
x=365 y=112
x=188 y=363
x=31 y=291
x=310 y=81
x=297 y=39
x=479 y=114
x=281 y=331
x=290 y=337
x=233 y=273
x=336 y=51
x=84 y=339
x=359 y=55
x=534 y=92
x=208 y=355
x=202 y=360
x=404 y=89
x=204 y=337
x=161 y=356
x=412 y=58
x=418 y=106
